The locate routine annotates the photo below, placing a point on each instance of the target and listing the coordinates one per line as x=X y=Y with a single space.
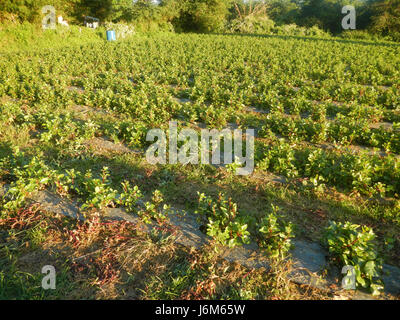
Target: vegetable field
x=327 y=159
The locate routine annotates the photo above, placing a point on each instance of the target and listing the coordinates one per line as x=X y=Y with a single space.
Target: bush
x=30 y=10
x=24 y=10
x=262 y=24
x=252 y=24
x=370 y=36
x=295 y=30
x=395 y=36
x=205 y=15
x=250 y=18
x=122 y=30
x=27 y=36
x=359 y=35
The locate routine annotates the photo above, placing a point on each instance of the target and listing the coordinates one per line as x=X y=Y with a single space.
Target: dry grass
x=114 y=260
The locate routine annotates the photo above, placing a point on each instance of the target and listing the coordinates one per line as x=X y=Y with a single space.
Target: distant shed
x=91 y=22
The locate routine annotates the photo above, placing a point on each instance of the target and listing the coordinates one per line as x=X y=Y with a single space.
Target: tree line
x=375 y=16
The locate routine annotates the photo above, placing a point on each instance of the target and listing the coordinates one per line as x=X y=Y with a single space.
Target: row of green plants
x=348 y=244
x=220 y=78
x=360 y=171
x=369 y=174
x=247 y=69
x=26 y=175
x=352 y=171
x=344 y=130
x=138 y=81
x=229 y=227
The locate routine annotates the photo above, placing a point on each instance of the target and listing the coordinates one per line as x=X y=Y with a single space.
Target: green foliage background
x=373 y=16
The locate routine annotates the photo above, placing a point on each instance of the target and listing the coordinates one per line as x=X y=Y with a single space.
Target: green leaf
x=370 y=269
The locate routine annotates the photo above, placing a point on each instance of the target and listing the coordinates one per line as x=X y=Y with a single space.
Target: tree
x=284 y=11
x=386 y=18
x=204 y=15
x=24 y=10
x=30 y=10
x=326 y=14
x=121 y=10
x=100 y=9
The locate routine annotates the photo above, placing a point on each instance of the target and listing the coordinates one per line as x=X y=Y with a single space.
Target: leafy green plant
x=64 y=131
x=99 y=192
x=353 y=245
x=275 y=234
x=129 y=196
x=29 y=175
x=223 y=221
x=155 y=209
